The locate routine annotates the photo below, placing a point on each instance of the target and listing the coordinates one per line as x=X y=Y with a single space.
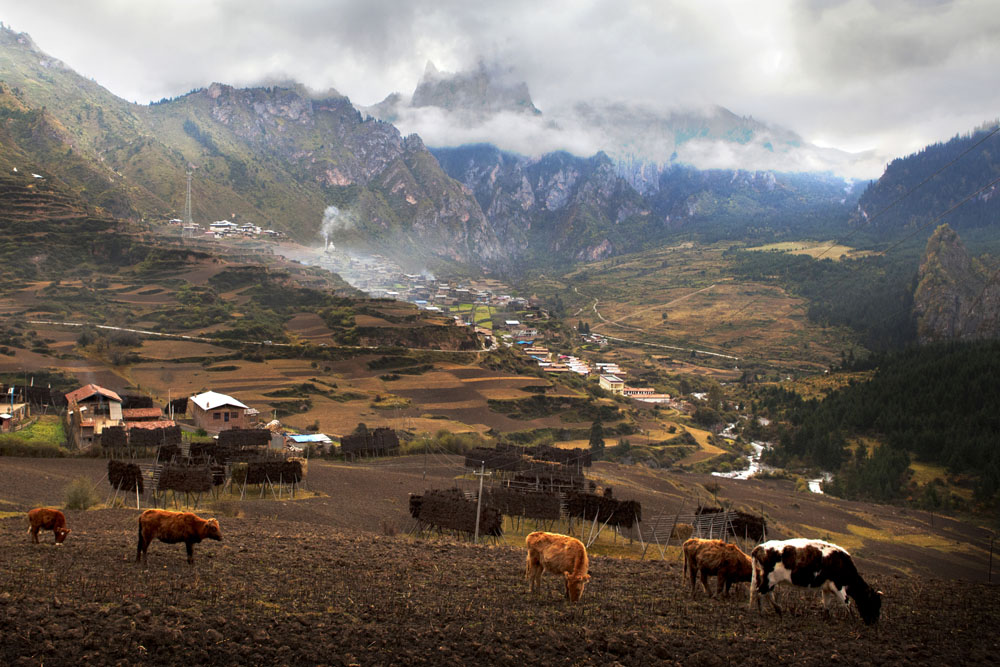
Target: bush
x=81 y=494
x=443 y=441
x=12 y=445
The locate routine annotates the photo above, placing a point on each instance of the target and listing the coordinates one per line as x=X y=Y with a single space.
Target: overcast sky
x=888 y=75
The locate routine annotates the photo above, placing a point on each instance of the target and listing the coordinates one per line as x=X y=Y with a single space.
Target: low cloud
x=888 y=75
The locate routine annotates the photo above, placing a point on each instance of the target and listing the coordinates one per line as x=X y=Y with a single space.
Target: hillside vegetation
x=919 y=404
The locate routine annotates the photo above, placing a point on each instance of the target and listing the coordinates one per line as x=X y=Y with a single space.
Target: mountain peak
x=483 y=90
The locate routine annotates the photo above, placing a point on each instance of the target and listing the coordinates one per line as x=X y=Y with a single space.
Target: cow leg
x=529 y=574
x=827 y=601
x=722 y=585
x=769 y=596
x=140 y=547
x=533 y=573
x=757 y=592
x=832 y=595
x=190 y=551
x=34 y=534
x=704 y=583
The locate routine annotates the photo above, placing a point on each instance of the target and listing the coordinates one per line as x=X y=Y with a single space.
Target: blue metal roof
x=310 y=437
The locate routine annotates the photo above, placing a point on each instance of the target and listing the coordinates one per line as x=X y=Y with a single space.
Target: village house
x=89 y=410
x=609 y=368
x=12 y=415
x=223 y=226
x=216 y=412
x=299 y=442
x=612 y=383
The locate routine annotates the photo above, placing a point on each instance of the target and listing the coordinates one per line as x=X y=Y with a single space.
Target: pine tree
x=597 y=440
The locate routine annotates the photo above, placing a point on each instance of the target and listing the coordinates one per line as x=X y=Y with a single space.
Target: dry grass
x=816 y=249
x=704 y=308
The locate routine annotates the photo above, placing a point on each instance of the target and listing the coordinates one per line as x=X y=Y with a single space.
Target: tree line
x=938 y=404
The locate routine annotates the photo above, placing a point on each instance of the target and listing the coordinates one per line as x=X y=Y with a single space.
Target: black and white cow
x=811 y=564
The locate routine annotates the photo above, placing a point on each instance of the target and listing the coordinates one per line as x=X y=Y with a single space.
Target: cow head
x=870 y=606
x=61 y=534
x=575 y=584
x=212 y=530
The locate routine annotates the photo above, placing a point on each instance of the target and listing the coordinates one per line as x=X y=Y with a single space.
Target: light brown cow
x=174 y=527
x=47 y=519
x=714 y=557
x=560 y=555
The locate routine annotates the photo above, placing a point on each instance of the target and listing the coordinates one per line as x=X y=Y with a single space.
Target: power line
x=914 y=188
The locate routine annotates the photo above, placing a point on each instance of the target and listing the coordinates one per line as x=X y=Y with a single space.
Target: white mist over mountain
x=488 y=105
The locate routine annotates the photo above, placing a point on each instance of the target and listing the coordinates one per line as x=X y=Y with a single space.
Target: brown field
x=704 y=307
x=323 y=581
x=168 y=349
x=310 y=327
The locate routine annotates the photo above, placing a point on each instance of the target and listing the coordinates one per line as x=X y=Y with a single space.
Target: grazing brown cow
x=173 y=527
x=558 y=554
x=715 y=557
x=48 y=519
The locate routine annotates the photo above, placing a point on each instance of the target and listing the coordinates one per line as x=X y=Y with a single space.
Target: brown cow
x=715 y=557
x=558 y=554
x=48 y=519
x=173 y=527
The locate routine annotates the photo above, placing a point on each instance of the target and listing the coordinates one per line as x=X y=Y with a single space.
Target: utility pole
x=187 y=200
x=479 y=501
x=989 y=573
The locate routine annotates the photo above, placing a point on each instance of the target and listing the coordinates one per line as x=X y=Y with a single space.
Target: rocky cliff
x=957 y=297
x=556 y=206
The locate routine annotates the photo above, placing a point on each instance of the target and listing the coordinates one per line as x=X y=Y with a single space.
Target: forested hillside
x=938 y=403
x=871 y=295
x=969 y=173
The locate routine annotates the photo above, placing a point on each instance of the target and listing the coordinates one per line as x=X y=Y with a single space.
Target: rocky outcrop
x=957 y=297
x=558 y=205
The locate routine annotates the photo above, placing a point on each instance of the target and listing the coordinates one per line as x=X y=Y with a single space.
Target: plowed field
x=313 y=582
x=277 y=592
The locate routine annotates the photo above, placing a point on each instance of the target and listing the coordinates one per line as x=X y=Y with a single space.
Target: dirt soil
x=280 y=592
x=334 y=579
